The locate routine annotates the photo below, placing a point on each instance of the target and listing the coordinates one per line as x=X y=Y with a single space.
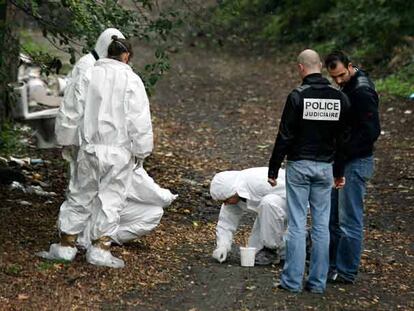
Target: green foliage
x=39 y=53
x=13 y=269
x=152 y=72
x=52 y=264
x=372 y=27
x=399 y=84
x=10 y=138
x=70 y=24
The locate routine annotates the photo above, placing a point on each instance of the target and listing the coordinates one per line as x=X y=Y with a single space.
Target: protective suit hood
x=105 y=40
x=224 y=185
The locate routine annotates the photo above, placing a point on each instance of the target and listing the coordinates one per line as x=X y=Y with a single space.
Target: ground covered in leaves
x=214 y=111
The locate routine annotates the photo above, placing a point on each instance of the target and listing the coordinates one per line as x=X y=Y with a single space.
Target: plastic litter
x=18 y=186
x=25 y=203
x=26 y=161
x=39 y=191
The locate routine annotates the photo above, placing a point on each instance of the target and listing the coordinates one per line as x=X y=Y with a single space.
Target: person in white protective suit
x=112 y=123
x=248 y=190
x=142 y=212
x=69 y=105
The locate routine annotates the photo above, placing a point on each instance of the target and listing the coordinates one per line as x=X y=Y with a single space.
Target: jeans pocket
x=294 y=171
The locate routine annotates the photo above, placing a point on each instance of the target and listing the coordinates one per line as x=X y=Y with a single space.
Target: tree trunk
x=9 y=55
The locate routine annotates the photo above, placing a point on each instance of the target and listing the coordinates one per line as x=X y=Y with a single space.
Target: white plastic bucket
x=247 y=256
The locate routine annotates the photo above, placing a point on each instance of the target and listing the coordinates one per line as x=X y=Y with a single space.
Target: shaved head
x=309 y=62
x=310 y=59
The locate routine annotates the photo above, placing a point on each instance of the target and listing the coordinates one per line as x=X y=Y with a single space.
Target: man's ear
x=350 y=66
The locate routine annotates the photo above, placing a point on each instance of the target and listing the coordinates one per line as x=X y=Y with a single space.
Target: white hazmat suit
x=260 y=197
x=68 y=107
x=114 y=126
x=111 y=121
x=66 y=125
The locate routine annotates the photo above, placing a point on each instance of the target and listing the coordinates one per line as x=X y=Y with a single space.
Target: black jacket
x=312 y=125
x=364 y=117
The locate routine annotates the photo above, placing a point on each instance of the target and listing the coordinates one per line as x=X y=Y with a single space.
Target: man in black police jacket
x=347 y=210
x=310 y=134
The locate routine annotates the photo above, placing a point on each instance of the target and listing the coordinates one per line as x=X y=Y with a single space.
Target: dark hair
x=119 y=46
x=333 y=58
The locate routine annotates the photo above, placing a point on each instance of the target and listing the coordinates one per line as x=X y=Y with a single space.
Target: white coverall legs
x=102 y=179
x=268 y=229
x=142 y=212
x=96 y=195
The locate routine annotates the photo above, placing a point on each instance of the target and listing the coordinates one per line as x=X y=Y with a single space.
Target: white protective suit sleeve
x=67 y=119
x=139 y=120
x=227 y=224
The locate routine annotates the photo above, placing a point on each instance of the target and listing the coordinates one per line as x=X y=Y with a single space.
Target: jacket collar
x=315 y=78
x=354 y=80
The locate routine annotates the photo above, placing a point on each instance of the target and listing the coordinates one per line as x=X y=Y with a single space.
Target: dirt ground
x=213 y=111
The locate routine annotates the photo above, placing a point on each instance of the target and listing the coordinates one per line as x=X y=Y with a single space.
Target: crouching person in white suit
x=248 y=190
x=143 y=210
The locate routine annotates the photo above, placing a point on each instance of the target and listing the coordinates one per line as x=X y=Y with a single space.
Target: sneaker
x=59 y=252
x=313 y=290
x=100 y=257
x=336 y=278
x=279 y=285
x=266 y=256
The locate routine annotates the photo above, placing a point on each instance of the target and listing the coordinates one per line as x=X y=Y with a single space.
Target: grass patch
x=13 y=269
x=52 y=264
x=398 y=84
x=11 y=140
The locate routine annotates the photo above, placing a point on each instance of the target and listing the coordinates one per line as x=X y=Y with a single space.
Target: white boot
x=100 y=257
x=59 y=252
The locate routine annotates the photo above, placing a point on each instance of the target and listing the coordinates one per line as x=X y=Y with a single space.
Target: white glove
x=220 y=254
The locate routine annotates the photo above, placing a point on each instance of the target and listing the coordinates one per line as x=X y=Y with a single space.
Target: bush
x=372 y=28
x=399 y=84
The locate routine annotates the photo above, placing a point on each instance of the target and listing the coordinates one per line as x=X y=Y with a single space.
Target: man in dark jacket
x=347 y=210
x=310 y=135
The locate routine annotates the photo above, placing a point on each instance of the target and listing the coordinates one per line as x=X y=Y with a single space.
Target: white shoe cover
x=99 y=257
x=59 y=252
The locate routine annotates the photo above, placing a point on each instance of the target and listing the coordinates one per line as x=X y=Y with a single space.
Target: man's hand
x=272 y=181
x=339 y=182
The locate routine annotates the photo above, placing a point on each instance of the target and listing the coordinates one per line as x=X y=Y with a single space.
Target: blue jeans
x=347 y=219
x=308 y=183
